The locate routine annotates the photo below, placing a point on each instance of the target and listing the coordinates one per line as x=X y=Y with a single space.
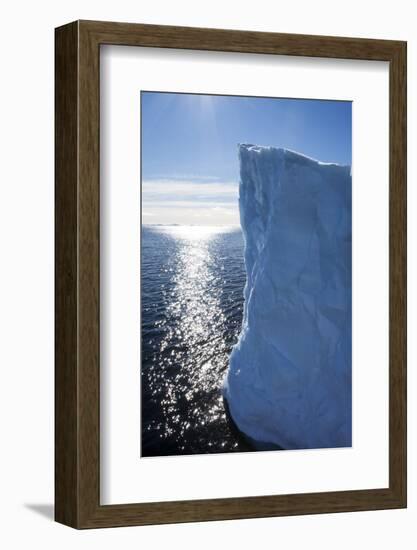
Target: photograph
x=246 y=273
x=230 y=267
x=208 y=266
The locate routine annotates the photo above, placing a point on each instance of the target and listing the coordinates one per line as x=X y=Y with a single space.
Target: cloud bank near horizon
x=204 y=201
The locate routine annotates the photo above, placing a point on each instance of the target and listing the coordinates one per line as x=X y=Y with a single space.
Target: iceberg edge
x=288 y=384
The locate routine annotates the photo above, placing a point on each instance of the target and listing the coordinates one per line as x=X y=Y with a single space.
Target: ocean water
x=192 y=281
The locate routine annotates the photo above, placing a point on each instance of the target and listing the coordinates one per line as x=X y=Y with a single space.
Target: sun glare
x=192 y=233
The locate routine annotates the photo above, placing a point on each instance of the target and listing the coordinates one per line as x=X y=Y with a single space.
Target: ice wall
x=289 y=377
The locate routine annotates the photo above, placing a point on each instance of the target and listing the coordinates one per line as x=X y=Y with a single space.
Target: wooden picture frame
x=77 y=382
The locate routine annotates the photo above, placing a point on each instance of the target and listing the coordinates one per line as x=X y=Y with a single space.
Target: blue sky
x=190 y=169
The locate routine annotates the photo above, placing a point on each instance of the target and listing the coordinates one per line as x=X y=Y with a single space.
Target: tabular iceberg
x=289 y=378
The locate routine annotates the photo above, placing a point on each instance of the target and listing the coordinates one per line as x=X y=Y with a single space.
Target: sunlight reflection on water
x=198 y=328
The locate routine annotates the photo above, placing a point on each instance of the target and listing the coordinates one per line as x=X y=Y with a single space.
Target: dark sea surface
x=192 y=300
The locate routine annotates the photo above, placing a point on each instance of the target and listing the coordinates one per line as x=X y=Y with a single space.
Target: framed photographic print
x=230 y=274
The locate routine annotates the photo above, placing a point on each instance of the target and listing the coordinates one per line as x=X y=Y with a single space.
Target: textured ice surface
x=289 y=377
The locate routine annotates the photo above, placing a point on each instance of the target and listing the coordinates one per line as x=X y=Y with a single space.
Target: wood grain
x=77 y=401
x=66 y=238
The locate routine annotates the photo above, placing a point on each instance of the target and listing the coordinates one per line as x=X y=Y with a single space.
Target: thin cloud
x=174 y=190
x=169 y=201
